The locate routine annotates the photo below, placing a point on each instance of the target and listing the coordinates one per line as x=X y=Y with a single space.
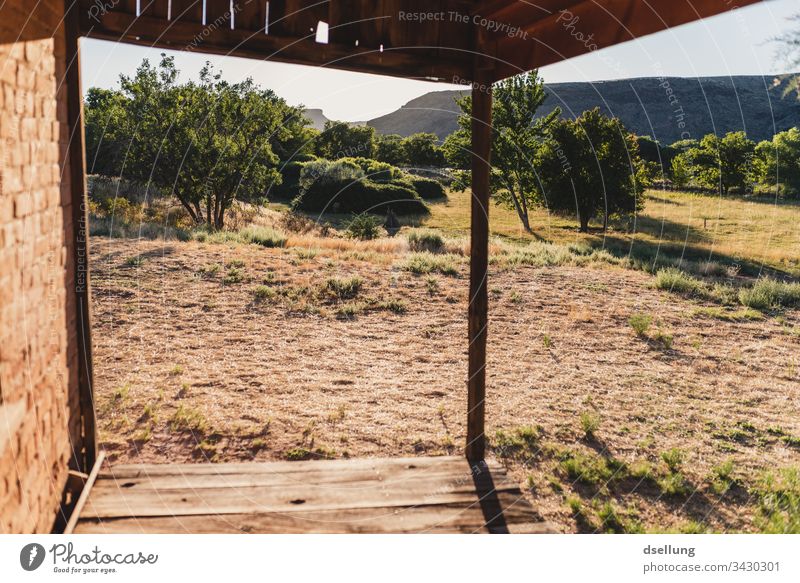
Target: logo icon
x=31 y=556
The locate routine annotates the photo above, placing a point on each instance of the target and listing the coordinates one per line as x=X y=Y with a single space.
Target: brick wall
x=39 y=418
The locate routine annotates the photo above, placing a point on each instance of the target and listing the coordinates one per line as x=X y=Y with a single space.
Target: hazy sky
x=735 y=43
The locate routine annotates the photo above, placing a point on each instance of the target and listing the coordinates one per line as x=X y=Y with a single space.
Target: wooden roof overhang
x=461 y=41
x=436 y=40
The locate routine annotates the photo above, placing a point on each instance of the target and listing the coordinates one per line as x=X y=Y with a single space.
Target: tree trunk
x=583 y=219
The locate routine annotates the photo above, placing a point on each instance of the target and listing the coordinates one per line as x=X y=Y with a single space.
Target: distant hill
x=709 y=105
x=317 y=118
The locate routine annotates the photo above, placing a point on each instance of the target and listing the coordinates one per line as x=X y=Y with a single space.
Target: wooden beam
x=84 y=496
x=76 y=175
x=479 y=261
x=400 y=61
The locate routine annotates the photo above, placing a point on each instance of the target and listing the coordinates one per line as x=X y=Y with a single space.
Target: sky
x=734 y=43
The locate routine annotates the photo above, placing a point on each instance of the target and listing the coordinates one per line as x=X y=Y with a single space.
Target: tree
x=516 y=136
x=389 y=149
x=422 y=149
x=104 y=111
x=343 y=140
x=776 y=163
x=722 y=163
x=590 y=166
x=208 y=143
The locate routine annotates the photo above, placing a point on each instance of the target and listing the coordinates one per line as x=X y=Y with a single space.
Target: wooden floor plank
x=439 y=494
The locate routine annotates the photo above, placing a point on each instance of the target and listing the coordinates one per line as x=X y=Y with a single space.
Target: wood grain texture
x=443 y=494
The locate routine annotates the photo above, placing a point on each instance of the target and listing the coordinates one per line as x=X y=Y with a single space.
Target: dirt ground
x=191 y=365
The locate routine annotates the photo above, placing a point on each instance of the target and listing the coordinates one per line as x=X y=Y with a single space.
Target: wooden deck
x=420 y=494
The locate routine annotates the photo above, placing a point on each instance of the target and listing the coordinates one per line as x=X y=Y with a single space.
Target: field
x=619 y=404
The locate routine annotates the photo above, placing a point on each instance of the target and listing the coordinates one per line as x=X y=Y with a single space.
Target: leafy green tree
x=343 y=140
x=389 y=149
x=104 y=112
x=722 y=163
x=680 y=169
x=208 y=143
x=516 y=136
x=590 y=166
x=422 y=149
x=776 y=163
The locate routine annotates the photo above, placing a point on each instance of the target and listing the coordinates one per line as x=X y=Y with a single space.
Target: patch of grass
x=234 y=275
x=263 y=293
x=432 y=285
x=303 y=453
x=264 y=236
x=590 y=423
x=520 y=442
x=135 y=261
x=343 y=288
x=778 y=496
x=547 y=341
x=591 y=469
x=612 y=520
x=393 y=305
x=640 y=323
x=425 y=240
x=349 y=310
x=426 y=262
x=719 y=313
x=770 y=294
x=673 y=458
x=675 y=280
x=187 y=418
x=721 y=478
x=176 y=370
x=664 y=338
x=209 y=270
x=515 y=297
x=673 y=484
x=306 y=253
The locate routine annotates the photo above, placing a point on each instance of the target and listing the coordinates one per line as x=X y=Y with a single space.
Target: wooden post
x=76 y=175
x=479 y=263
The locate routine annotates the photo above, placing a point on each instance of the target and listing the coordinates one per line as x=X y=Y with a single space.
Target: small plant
x=520 y=442
x=424 y=240
x=590 y=423
x=186 y=418
x=264 y=236
x=722 y=477
x=343 y=289
x=263 y=293
x=306 y=253
x=425 y=262
x=515 y=297
x=393 y=305
x=432 y=284
x=673 y=458
x=176 y=370
x=663 y=338
x=640 y=323
x=778 y=495
x=547 y=341
x=673 y=484
x=349 y=310
x=234 y=275
x=364 y=226
x=675 y=280
x=135 y=261
x=591 y=469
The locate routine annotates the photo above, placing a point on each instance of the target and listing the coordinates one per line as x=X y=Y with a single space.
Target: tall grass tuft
x=768 y=293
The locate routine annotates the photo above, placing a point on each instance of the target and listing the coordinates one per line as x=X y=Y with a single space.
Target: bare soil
x=191 y=366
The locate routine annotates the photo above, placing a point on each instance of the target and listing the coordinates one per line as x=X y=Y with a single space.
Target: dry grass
x=190 y=367
x=759 y=230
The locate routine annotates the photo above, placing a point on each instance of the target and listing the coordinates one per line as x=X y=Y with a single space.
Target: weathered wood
x=443 y=494
x=85 y=453
x=84 y=496
x=479 y=260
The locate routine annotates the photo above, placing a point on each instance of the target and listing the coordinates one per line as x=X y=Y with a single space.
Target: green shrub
x=640 y=323
x=262 y=293
x=673 y=458
x=359 y=196
x=675 y=280
x=343 y=289
x=424 y=240
x=778 y=495
x=364 y=227
x=427 y=188
x=375 y=170
x=590 y=423
x=769 y=293
x=422 y=263
x=264 y=236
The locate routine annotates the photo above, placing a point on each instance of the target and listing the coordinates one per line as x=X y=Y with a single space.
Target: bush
x=420 y=240
x=264 y=236
x=290 y=181
x=426 y=188
x=640 y=323
x=343 y=289
x=675 y=280
x=358 y=196
x=422 y=263
x=769 y=293
x=375 y=170
x=364 y=227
